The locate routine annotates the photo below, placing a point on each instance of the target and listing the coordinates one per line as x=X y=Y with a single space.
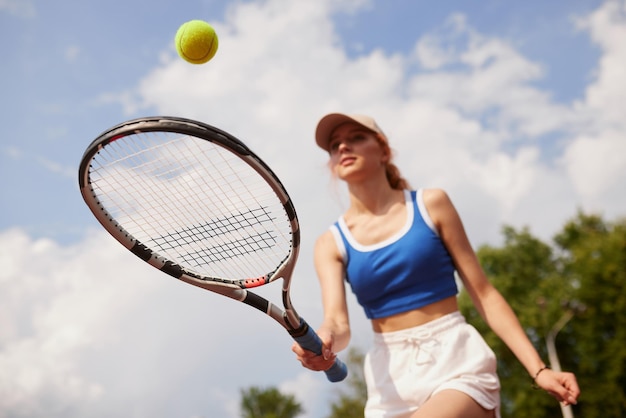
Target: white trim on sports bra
x=395 y=237
x=424 y=212
x=338 y=241
x=409 y=222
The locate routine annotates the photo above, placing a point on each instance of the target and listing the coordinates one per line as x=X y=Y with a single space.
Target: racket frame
x=239 y=289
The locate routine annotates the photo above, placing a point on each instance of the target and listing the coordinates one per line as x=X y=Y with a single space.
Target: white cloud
x=431 y=55
x=597 y=166
x=595 y=159
x=509 y=177
x=56 y=168
x=72 y=52
x=20 y=8
x=606 y=96
x=90 y=330
x=493 y=82
x=309 y=391
x=11 y=152
x=46 y=324
x=18 y=154
x=433 y=51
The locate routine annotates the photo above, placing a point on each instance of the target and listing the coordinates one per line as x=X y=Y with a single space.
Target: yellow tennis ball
x=196 y=41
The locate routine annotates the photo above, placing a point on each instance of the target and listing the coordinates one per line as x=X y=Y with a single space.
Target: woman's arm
x=489 y=301
x=335 y=328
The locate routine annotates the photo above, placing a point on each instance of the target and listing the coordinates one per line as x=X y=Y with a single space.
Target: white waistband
x=423 y=331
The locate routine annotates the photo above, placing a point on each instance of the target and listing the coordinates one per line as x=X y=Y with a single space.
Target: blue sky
x=515 y=108
x=61 y=58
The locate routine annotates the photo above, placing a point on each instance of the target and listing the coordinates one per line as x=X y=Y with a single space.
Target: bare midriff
x=416 y=317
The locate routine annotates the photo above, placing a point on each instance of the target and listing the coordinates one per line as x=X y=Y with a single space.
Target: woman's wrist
x=541 y=369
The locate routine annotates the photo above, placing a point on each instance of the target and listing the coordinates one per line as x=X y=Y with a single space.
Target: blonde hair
x=394 y=178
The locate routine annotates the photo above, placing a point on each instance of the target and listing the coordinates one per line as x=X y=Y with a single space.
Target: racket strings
x=209 y=230
x=251 y=243
x=193 y=202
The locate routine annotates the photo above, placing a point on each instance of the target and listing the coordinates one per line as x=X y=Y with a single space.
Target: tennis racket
x=199 y=205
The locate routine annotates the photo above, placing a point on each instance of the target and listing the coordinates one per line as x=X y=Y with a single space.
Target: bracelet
x=537 y=375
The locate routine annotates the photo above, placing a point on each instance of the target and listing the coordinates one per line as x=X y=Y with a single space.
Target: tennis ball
x=196 y=41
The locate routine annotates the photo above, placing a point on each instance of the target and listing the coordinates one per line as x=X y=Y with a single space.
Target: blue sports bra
x=409 y=270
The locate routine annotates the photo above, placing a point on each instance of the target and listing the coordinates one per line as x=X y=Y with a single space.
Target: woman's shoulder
x=434 y=196
x=438 y=205
x=327 y=239
x=327 y=244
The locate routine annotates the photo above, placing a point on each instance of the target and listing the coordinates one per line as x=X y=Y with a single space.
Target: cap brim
x=327 y=125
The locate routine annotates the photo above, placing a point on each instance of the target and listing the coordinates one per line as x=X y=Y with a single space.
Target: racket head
x=193 y=201
x=198 y=204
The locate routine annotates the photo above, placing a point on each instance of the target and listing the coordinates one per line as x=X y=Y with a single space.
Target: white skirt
x=405 y=368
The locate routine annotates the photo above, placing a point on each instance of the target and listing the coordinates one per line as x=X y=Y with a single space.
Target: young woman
x=399 y=249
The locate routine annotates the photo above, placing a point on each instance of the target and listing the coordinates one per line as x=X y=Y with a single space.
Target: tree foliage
x=268 y=403
x=351 y=403
x=583 y=273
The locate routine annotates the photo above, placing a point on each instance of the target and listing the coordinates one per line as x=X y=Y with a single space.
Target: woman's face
x=355 y=153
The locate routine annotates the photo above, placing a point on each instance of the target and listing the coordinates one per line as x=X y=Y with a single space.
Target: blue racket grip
x=309 y=340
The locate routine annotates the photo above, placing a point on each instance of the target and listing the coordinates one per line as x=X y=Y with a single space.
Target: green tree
x=268 y=403
x=350 y=403
x=595 y=261
x=585 y=267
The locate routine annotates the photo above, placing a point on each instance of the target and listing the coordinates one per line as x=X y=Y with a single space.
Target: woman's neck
x=373 y=198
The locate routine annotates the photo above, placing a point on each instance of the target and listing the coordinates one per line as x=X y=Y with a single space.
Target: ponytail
x=394 y=178
x=396 y=181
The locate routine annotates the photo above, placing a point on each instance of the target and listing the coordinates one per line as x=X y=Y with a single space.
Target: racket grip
x=309 y=340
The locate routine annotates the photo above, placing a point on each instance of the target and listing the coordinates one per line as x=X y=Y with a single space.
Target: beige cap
x=330 y=122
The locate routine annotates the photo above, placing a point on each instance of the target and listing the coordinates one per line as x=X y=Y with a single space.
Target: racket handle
x=309 y=340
